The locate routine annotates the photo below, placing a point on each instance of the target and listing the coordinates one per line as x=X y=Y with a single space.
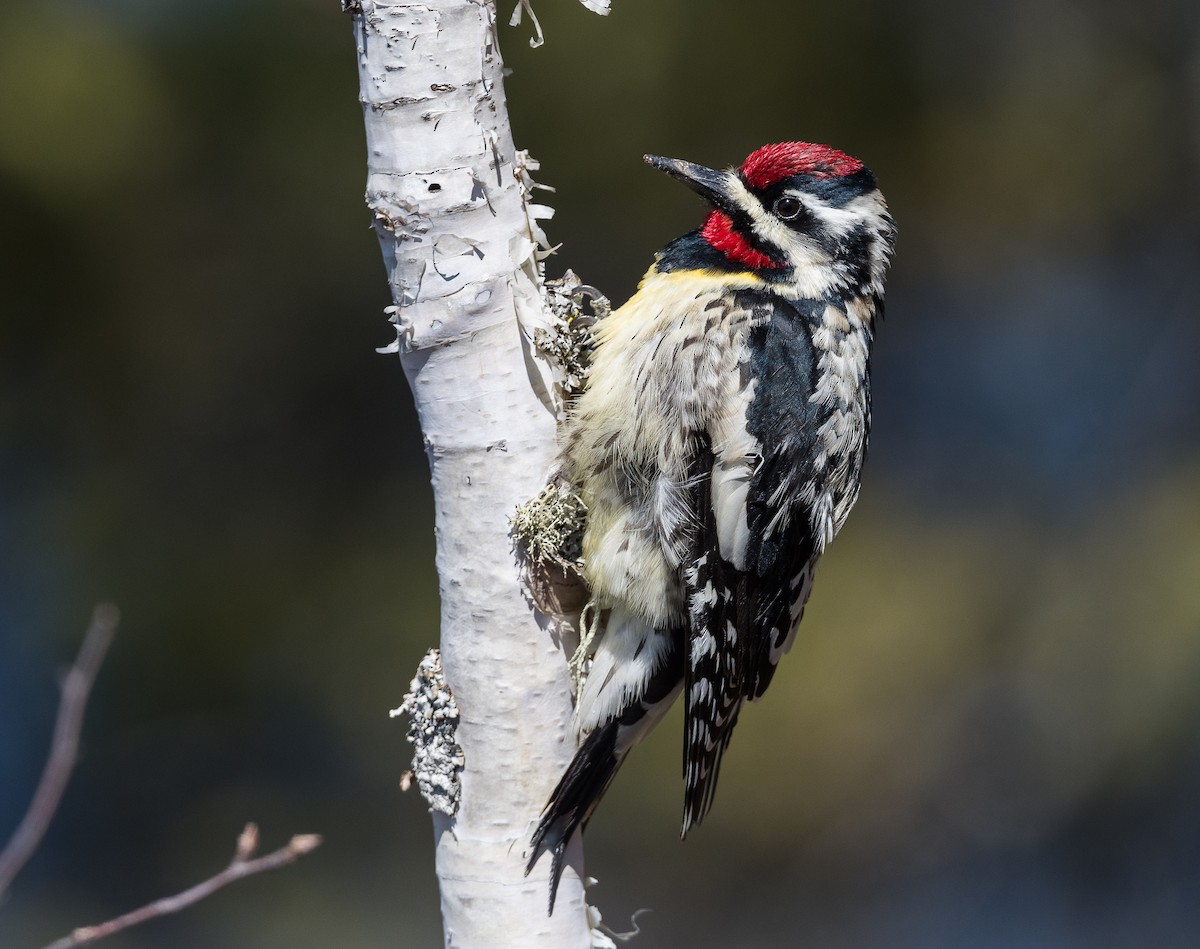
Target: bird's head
x=797 y=214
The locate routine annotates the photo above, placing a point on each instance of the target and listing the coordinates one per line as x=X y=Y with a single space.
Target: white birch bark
x=459 y=250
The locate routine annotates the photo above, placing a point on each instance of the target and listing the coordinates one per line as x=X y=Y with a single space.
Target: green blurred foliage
x=988 y=732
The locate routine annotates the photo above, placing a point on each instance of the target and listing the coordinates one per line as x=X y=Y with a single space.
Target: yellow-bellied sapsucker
x=718 y=447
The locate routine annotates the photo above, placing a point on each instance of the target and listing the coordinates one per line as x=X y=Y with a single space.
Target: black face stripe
x=744 y=225
x=838 y=191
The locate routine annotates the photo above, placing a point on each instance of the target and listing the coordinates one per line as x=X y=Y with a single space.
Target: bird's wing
x=753 y=552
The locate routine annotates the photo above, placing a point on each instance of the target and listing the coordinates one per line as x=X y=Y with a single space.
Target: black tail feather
x=571 y=805
x=698 y=796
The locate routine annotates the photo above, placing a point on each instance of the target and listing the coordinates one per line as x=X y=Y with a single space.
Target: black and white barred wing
x=742 y=621
x=753 y=553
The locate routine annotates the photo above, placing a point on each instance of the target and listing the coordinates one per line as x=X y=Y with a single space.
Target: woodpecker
x=718 y=447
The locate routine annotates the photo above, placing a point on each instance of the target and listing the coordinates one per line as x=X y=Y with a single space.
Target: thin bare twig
x=241 y=866
x=64 y=747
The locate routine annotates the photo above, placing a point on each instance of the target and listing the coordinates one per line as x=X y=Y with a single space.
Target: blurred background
x=988 y=734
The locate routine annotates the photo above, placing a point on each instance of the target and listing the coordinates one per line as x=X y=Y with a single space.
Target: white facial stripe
x=840 y=221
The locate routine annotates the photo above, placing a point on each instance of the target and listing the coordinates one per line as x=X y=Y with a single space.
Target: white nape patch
x=871 y=208
x=629 y=653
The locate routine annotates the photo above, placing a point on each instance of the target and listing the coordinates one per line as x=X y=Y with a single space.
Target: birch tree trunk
x=444 y=185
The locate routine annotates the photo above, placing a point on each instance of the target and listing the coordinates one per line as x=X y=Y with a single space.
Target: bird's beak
x=710 y=184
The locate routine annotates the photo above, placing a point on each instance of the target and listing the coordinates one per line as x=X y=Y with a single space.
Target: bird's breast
x=663 y=368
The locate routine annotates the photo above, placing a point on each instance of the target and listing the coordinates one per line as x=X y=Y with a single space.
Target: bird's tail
x=571 y=805
x=636 y=674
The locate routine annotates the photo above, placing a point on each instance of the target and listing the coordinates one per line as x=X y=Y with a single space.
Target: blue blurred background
x=988 y=734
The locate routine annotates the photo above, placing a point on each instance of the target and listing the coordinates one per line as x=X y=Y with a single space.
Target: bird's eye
x=787 y=208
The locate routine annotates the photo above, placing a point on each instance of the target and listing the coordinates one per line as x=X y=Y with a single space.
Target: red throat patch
x=773 y=163
x=719 y=231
